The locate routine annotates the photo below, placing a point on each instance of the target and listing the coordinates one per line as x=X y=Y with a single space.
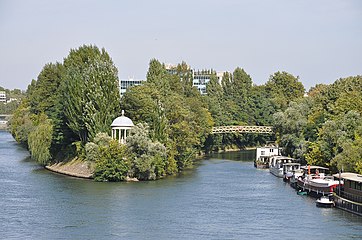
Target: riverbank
x=84 y=169
x=73 y=168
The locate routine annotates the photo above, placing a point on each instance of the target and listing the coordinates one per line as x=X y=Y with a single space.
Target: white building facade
x=127 y=83
x=3 y=96
x=201 y=78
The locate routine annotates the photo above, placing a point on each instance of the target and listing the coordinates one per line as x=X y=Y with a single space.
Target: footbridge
x=243 y=129
x=4 y=121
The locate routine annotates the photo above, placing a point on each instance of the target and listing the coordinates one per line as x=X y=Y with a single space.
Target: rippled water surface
x=224 y=197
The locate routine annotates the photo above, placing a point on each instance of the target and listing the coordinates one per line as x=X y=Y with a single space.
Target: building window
x=262 y=152
x=271 y=150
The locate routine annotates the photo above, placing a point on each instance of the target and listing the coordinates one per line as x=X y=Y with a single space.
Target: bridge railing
x=243 y=129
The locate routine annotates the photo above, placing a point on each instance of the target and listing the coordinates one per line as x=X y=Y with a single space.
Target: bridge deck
x=243 y=129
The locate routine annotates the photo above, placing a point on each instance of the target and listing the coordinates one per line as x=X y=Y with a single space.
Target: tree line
x=325 y=128
x=15 y=95
x=69 y=108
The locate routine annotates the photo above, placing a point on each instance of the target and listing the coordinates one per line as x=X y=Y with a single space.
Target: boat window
x=353 y=185
x=358 y=187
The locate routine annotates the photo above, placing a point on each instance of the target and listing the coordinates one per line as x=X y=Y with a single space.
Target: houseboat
x=316 y=182
x=291 y=171
x=263 y=155
x=349 y=196
x=276 y=165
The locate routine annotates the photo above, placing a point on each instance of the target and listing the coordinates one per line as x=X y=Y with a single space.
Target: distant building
x=171 y=68
x=201 y=78
x=126 y=83
x=3 y=96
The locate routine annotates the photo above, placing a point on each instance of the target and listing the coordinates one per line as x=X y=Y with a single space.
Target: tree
x=40 y=139
x=112 y=164
x=21 y=124
x=91 y=93
x=46 y=96
x=325 y=127
x=284 y=88
x=45 y=92
x=148 y=158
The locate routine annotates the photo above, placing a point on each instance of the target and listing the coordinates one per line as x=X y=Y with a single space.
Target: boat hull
x=325 y=202
x=318 y=188
x=278 y=172
x=324 y=205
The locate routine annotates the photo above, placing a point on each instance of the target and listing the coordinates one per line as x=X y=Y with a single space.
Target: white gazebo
x=120 y=128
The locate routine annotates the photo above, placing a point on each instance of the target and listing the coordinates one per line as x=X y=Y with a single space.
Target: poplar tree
x=91 y=92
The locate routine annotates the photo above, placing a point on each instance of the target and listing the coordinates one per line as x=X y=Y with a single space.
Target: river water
x=223 y=197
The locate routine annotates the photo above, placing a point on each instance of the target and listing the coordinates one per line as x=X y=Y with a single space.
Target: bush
x=149 y=159
x=112 y=164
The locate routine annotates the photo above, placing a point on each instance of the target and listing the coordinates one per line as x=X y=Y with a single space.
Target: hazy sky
x=318 y=40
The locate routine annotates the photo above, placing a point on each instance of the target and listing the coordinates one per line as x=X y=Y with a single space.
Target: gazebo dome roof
x=122 y=121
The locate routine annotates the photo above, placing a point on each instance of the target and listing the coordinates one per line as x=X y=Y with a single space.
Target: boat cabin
x=291 y=167
x=291 y=170
x=279 y=161
x=267 y=151
x=349 y=196
x=263 y=155
x=352 y=188
x=315 y=171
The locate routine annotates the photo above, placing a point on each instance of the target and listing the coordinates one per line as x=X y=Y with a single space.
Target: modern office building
x=127 y=83
x=201 y=78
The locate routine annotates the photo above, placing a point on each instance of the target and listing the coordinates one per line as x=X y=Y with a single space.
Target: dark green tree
x=283 y=88
x=91 y=93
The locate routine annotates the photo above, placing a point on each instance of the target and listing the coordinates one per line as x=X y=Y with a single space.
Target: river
x=223 y=197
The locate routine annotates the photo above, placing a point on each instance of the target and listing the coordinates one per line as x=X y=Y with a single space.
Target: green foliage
x=90 y=92
x=111 y=164
x=325 y=128
x=21 y=124
x=148 y=158
x=238 y=102
x=15 y=95
x=110 y=158
x=8 y=108
x=92 y=151
x=45 y=96
x=175 y=112
x=45 y=92
x=283 y=88
x=39 y=140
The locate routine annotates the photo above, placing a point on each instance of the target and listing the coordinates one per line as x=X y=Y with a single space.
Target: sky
x=319 y=41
